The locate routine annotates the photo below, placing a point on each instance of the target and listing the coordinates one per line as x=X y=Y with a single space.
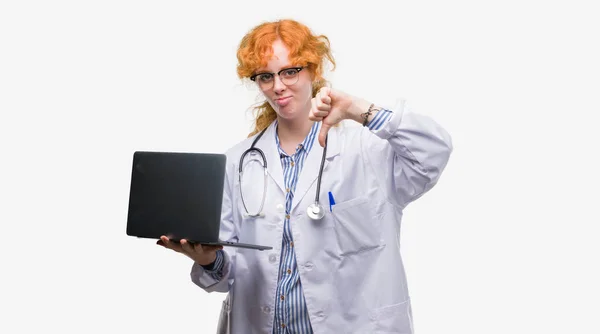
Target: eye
x=265 y=77
x=290 y=72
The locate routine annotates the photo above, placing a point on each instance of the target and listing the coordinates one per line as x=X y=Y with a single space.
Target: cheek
x=268 y=97
x=304 y=93
x=309 y=91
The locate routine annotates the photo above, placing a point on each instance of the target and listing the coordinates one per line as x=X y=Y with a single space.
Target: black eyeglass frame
x=297 y=68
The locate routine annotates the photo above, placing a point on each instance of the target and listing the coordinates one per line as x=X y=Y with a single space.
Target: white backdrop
x=507 y=242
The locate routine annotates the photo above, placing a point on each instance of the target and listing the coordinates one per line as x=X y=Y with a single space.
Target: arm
x=218 y=276
x=412 y=155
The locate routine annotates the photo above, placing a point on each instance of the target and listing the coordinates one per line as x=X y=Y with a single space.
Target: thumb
x=323 y=133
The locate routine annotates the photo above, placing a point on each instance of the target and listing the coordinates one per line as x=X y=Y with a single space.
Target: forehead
x=279 y=57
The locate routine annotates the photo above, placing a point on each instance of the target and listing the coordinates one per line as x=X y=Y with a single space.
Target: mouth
x=283 y=101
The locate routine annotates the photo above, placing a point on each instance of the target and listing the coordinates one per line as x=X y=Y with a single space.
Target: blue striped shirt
x=291 y=313
x=379 y=120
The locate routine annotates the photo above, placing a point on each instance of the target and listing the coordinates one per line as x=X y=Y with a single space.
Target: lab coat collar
x=310 y=171
x=312 y=164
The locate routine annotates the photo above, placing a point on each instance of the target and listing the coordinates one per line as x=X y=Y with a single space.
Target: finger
x=163 y=241
x=323 y=133
x=170 y=244
x=321 y=113
x=324 y=97
x=324 y=94
x=186 y=246
x=313 y=110
x=322 y=106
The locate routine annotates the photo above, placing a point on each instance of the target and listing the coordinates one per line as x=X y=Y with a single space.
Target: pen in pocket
x=331 y=201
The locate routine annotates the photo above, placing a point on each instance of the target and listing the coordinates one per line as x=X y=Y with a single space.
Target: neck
x=293 y=132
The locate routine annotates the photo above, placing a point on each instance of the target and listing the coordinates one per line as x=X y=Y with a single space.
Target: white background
x=507 y=242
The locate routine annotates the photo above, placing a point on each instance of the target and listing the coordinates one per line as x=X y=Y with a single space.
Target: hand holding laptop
x=201 y=254
x=179 y=195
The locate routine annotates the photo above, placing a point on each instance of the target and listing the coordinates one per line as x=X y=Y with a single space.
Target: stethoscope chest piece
x=315 y=211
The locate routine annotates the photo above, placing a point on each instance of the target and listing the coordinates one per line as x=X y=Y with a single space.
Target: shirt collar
x=306 y=144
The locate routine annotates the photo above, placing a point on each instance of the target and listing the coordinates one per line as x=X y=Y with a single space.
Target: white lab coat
x=349 y=262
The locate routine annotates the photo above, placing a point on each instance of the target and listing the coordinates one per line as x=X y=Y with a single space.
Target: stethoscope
x=315 y=211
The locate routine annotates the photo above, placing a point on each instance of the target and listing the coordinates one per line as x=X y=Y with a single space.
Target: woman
x=342 y=273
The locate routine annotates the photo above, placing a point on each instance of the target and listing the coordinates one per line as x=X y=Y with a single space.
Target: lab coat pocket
x=356 y=226
x=224 y=325
x=396 y=318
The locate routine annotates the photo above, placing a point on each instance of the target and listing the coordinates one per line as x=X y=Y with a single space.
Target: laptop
x=178 y=195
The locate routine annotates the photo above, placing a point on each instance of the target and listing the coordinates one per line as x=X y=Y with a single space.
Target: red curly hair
x=306 y=49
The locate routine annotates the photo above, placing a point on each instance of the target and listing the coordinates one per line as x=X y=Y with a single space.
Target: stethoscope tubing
x=312 y=207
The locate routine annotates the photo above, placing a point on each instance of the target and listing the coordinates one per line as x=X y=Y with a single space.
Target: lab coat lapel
x=310 y=171
x=269 y=147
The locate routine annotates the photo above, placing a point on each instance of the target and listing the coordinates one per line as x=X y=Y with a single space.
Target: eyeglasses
x=288 y=77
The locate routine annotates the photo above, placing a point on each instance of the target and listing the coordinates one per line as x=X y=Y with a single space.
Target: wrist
x=207 y=262
x=209 y=266
x=363 y=111
x=357 y=107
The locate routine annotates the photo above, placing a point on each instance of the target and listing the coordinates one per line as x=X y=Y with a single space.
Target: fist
x=329 y=107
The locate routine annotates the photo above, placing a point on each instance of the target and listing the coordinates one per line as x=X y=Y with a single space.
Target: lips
x=283 y=101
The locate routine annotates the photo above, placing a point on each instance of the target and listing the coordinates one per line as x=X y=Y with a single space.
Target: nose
x=278 y=85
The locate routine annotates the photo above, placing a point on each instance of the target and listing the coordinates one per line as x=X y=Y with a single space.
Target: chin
x=285 y=115
x=291 y=114
x=287 y=112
